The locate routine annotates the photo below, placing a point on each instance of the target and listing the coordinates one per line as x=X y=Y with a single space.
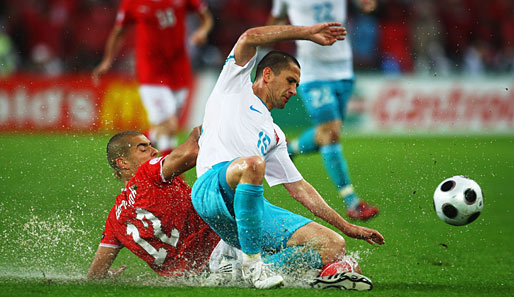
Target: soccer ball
x=458 y=200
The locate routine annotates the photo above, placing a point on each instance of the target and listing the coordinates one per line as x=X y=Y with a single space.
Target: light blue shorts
x=326 y=101
x=213 y=199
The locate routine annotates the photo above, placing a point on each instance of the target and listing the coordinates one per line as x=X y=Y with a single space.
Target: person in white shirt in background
x=327 y=85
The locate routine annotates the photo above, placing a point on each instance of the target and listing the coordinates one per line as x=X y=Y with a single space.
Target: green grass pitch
x=56 y=190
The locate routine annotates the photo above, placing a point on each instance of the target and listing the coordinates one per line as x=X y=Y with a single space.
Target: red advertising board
x=443 y=105
x=70 y=103
x=399 y=104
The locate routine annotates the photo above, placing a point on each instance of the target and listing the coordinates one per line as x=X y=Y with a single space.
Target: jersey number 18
x=166 y=17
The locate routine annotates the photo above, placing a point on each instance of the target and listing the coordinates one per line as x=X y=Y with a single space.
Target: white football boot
x=343 y=281
x=227 y=273
x=231 y=269
x=260 y=275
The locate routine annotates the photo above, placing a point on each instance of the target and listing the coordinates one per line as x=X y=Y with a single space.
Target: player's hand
x=327 y=33
x=99 y=71
x=369 y=235
x=113 y=273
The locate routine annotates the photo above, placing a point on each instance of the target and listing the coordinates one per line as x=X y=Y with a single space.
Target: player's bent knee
x=246 y=170
x=334 y=138
x=334 y=249
x=329 y=134
x=330 y=245
x=333 y=134
x=254 y=165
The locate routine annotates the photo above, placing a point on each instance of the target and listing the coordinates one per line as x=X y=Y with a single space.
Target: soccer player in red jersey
x=162 y=63
x=153 y=216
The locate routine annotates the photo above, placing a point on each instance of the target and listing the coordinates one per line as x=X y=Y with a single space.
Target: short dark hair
x=119 y=146
x=277 y=61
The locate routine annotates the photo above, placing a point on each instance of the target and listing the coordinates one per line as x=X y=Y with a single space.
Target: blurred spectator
x=91 y=28
x=422 y=36
x=363 y=33
x=233 y=17
x=38 y=28
x=44 y=61
x=459 y=27
x=8 y=58
x=506 y=29
x=394 y=37
x=427 y=40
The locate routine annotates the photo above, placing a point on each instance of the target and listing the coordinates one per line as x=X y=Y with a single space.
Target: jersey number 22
x=159 y=255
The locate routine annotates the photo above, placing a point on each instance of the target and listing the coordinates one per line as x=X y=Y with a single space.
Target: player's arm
x=183 y=157
x=111 y=49
x=100 y=268
x=199 y=37
x=323 y=34
x=305 y=193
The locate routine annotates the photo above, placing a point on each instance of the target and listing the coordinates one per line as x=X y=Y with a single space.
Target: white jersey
x=318 y=62
x=238 y=124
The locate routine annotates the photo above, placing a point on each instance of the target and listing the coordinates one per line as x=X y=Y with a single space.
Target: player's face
x=141 y=150
x=283 y=86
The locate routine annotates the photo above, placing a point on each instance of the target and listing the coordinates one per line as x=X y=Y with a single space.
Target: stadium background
x=420 y=66
x=434 y=98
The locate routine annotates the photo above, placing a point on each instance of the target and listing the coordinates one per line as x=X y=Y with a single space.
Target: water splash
x=56 y=247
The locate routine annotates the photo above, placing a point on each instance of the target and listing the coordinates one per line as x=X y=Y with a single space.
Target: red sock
x=336 y=267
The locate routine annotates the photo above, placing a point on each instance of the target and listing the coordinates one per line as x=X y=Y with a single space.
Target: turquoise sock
x=336 y=165
x=248 y=209
x=295 y=258
x=306 y=143
x=337 y=169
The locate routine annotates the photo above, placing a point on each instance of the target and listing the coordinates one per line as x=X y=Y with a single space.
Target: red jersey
x=161 y=55
x=155 y=220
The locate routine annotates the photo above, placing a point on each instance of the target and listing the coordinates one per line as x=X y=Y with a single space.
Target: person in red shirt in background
x=162 y=63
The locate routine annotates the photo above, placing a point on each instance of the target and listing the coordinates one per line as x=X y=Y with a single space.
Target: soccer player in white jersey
x=240 y=146
x=327 y=84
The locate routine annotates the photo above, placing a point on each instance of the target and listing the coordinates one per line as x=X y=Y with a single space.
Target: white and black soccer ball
x=458 y=200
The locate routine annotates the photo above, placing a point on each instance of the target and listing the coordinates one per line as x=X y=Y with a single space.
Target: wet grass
x=56 y=190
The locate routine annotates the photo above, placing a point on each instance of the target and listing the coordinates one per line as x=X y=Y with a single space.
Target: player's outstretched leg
x=327 y=251
x=337 y=169
x=335 y=164
x=328 y=135
x=326 y=103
